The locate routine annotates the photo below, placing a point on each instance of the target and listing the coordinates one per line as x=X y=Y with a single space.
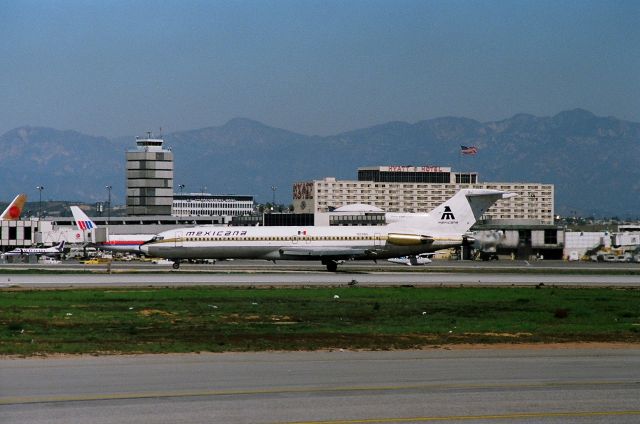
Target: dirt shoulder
x=456 y=347
x=534 y=346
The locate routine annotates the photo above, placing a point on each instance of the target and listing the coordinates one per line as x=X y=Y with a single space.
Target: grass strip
x=194 y=319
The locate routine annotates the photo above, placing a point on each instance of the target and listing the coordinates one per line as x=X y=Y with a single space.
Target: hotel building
x=420 y=189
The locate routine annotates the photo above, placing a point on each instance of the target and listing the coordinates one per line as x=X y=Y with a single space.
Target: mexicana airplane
x=444 y=227
x=116 y=242
x=13 y=211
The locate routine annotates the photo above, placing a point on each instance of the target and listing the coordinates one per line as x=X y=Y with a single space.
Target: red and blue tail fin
x=83 y=222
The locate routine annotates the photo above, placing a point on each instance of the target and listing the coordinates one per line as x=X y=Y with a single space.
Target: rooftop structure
x=416 y=174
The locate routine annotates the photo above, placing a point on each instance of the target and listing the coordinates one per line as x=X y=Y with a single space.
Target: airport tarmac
x=294 y=273
x=348 y=266
x=534 y=385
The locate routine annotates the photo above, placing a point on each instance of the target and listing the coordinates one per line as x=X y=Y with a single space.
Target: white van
x=46 y=260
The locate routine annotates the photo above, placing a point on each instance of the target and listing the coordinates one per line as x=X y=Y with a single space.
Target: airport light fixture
x=40 y=188
x=108 y=204
x=273 y=202
x=181 y=187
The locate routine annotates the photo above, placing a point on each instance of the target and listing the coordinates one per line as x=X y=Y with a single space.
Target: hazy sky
x=316 y=67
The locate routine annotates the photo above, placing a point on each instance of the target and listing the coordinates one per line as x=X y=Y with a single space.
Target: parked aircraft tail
x=13 y=211
x=457 y=214
x=83 y=222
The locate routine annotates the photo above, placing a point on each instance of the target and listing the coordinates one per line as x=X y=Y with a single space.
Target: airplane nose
x=144 y=248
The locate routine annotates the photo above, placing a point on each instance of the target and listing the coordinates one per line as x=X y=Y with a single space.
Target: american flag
x=468 y=150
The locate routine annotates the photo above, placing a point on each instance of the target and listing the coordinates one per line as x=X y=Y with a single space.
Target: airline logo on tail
x=447 y=214
x=13 y=211
x=83 y=222
x=86 y=225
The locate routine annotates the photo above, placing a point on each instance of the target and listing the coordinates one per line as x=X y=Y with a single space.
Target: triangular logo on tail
x=447 y=214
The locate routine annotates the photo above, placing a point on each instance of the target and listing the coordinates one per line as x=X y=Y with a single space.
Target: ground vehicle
x=95 y=261
x=46 y=260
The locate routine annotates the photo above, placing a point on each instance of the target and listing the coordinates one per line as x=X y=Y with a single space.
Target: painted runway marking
x=19 y=400
x=477 y=417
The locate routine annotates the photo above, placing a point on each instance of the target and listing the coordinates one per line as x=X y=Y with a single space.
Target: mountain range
x=591 y=160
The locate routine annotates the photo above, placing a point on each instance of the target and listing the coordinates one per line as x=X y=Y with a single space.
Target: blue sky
x=316 y=67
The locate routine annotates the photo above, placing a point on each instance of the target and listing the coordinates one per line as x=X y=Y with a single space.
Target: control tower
x=149 y=178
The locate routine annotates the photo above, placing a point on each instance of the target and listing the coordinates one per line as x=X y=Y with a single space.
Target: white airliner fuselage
x=56 y=250
x=444 y=227
x=309 y=243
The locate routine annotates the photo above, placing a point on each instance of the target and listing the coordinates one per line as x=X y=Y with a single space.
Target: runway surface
x=311 y=278
x=437 y=385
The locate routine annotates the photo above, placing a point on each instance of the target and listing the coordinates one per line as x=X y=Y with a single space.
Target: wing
x=325 y=252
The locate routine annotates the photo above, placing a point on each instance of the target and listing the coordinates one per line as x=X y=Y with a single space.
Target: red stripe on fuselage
x=123 y=243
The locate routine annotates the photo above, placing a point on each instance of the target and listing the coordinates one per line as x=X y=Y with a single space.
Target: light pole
x=273 y=202
x=108 y=204
x=40 y=188
x=181 y=187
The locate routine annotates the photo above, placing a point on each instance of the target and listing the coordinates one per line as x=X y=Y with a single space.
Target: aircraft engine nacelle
x=468 y=240
x=408 y=239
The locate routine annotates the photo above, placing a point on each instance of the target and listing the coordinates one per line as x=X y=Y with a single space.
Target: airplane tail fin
x=13 y=211
x=458 y=214
x=60 y=246
x=83 y=222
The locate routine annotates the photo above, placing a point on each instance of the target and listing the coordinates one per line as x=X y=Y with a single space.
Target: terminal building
x=206 y=204
x=18 y=233
x=419 y=189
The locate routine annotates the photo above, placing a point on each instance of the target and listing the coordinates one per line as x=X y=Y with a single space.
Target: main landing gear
x=176 y=264
x=332 y=266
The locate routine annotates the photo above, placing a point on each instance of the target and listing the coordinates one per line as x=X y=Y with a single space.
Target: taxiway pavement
x=537 y=385
x=240 y=277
